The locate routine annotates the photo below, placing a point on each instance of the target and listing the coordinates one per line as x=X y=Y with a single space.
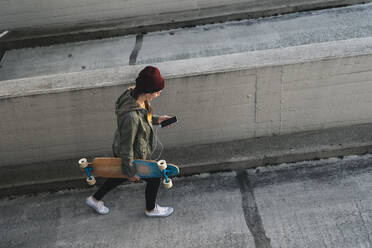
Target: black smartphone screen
x=169 y=121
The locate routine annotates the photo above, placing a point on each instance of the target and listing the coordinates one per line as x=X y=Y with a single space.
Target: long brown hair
x=136 y=93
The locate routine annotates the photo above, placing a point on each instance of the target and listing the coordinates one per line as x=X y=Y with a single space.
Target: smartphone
x=169 y=121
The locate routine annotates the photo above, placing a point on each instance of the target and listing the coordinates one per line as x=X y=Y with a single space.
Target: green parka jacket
x=134 y=135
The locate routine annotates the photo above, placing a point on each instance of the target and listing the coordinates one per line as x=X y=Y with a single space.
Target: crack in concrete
x=251 y=213
x=363 y=222
x=136 y=49
x=2 y=53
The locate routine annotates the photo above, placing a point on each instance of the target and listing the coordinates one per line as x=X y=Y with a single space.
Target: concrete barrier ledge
x=225 y=156
x=186 y=68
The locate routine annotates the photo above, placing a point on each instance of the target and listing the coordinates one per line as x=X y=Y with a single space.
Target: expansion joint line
x=2 y=53
x=251 y=213
x=136 y=49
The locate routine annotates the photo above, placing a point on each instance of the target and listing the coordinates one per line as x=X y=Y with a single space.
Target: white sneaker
x=97 y=205
x=159 y=211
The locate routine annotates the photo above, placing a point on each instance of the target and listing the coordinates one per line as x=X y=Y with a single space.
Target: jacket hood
x=126 y=103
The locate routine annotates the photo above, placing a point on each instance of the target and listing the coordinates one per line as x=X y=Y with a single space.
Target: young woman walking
x=133 y=139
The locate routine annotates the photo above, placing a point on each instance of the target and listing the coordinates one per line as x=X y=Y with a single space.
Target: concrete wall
x=220 y=98
x=66 y=14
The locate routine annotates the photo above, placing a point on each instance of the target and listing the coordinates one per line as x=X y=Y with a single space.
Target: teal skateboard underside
x=149 y=169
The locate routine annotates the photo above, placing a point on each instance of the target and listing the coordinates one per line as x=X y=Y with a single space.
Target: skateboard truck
x=162 y=164
x=85 y=165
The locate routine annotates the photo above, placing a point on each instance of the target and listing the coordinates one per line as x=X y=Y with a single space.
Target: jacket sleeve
x=128 y=127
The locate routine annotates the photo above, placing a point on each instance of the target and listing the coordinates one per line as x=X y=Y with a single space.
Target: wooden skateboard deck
x=111 y=168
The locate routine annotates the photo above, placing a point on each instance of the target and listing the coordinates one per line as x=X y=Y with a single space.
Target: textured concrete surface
x=329 y=206
x=71 y=57
x=326 y=203
x=63 y=220
x=258 y=34
x=36 y=22
x=201 y=41
x=322 y=204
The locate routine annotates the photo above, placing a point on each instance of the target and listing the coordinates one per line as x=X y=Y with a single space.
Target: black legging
x=151 y=191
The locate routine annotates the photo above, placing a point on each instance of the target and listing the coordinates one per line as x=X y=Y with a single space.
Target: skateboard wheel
x=162 y=164
x=91 y=181
x=168 y=184
x=83 y=163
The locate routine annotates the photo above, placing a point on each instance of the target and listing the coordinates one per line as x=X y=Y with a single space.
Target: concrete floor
x=325 y=203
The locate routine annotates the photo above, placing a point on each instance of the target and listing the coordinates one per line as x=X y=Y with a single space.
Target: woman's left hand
x=163 y=118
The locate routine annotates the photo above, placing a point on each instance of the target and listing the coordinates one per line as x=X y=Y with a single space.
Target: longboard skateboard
x=111 y=168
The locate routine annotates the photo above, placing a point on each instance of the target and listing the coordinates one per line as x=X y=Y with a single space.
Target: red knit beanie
x=149 y=80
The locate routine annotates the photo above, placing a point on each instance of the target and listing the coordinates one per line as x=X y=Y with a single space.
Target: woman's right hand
x=135 y=178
